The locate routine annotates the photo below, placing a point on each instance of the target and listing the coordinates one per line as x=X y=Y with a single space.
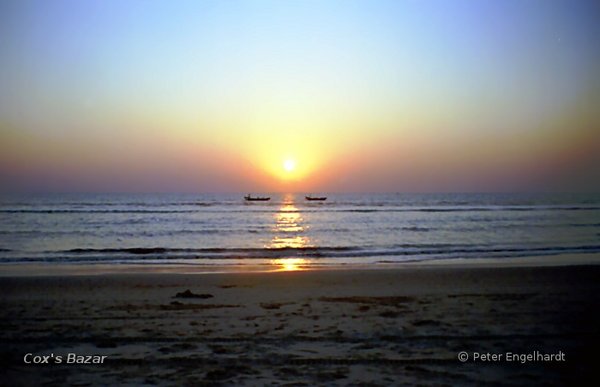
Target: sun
x=289 y=165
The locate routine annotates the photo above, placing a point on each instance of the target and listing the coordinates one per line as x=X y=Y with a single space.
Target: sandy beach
x=403 y=325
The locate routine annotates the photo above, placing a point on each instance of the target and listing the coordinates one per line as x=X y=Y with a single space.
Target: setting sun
x=289 y=165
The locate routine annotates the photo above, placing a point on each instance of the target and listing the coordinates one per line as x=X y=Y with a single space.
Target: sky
x=299 y=96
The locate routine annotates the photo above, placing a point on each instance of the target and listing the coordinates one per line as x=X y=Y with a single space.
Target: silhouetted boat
x=249 y=198
x=316 y=198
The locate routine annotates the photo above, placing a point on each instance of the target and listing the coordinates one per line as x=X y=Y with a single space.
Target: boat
x=316 y=198
x=249 y=198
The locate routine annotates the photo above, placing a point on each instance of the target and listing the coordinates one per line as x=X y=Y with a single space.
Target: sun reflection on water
x=290 y=264
x=289 y=229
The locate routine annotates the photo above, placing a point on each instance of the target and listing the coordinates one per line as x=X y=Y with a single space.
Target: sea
x=223 y=230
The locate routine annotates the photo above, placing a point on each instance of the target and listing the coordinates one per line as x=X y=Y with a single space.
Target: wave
x=100 y=211
x=111 y=204
x=333 y=254
x=473 y=209
x=300 y=210
x=232 y=251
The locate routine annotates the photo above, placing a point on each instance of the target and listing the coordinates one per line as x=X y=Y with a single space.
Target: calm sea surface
x=222 y=229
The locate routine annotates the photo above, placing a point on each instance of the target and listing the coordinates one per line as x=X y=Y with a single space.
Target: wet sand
x=330 y=327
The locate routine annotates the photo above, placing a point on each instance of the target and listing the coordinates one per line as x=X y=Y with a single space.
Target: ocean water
x=223 y=229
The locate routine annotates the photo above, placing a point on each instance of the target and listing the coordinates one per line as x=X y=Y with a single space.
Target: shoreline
x=281 y=265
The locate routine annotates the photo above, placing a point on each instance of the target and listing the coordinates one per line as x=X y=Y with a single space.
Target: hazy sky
x=359 y=95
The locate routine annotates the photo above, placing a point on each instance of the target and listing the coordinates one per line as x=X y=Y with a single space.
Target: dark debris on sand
x=188 y=294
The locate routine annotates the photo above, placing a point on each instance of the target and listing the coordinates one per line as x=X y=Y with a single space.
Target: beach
x=509 y=324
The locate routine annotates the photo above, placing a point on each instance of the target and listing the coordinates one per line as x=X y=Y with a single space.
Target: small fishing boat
x=249 y=198
x=315 y=198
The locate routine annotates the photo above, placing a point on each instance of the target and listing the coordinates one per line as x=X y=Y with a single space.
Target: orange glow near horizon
x=287 y=166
